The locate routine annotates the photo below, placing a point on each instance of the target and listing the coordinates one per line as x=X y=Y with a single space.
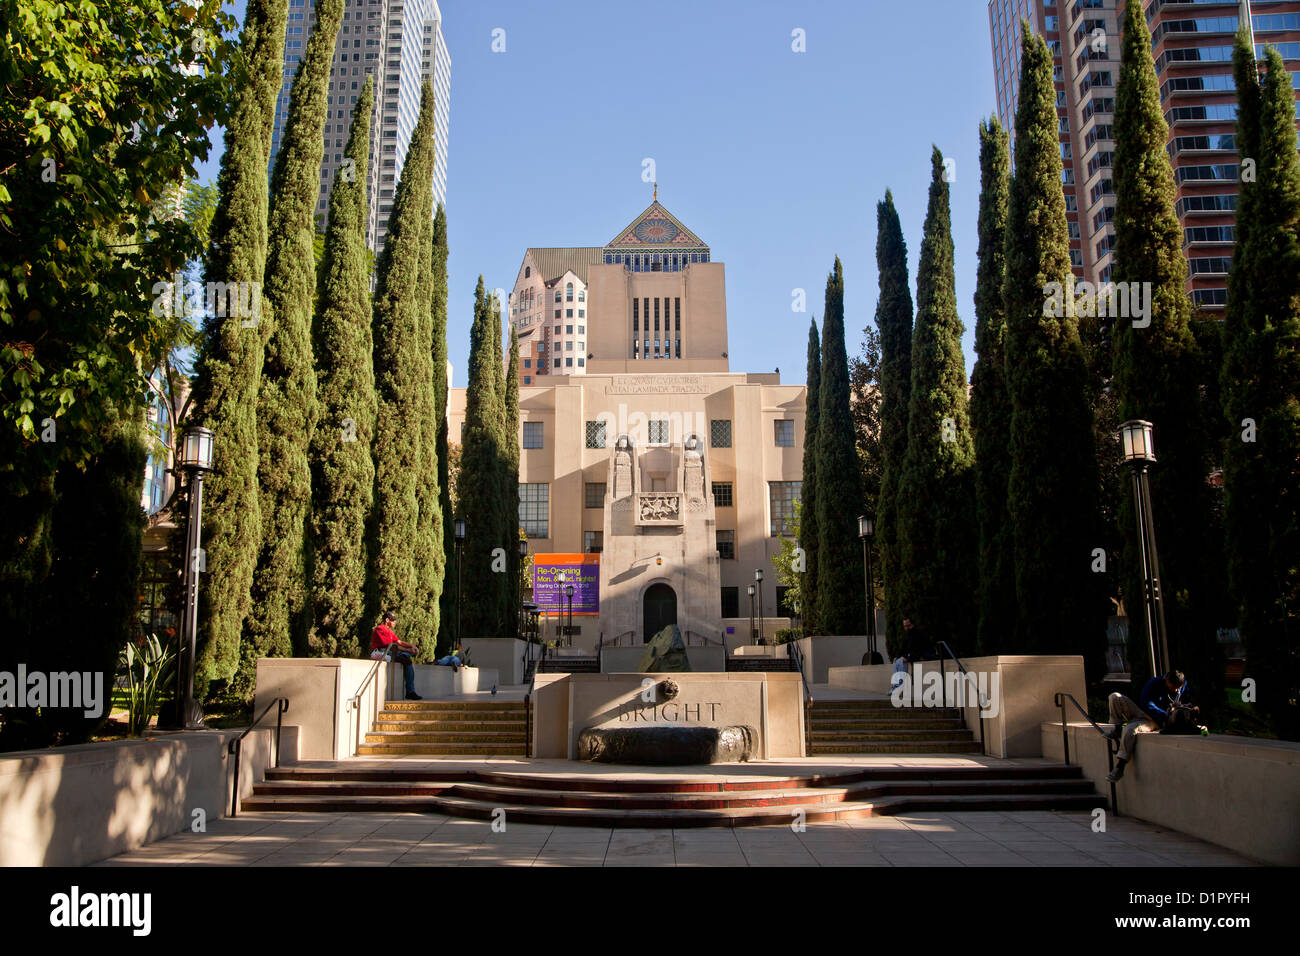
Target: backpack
x=1183 y=721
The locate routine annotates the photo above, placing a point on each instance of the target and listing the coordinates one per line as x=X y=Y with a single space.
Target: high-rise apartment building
x=399 y=43
x=1192 y=45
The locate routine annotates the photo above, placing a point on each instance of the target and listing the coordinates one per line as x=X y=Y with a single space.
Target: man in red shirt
x=383 y=640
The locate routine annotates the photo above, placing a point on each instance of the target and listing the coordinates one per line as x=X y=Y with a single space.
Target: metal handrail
x=792 y=650
x=943 y=685
x=1111 y=745
x=236 y=746
x=528 y=700
x=354 y=702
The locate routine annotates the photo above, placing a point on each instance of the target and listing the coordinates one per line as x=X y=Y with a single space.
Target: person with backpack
x=384 y=639
x=1160 y=709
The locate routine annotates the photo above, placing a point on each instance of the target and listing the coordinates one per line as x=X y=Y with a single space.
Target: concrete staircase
x=878 y=727
x=586 y=800
x=448 y=728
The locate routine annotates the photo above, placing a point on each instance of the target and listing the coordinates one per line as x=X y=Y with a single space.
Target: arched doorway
x=660 y=610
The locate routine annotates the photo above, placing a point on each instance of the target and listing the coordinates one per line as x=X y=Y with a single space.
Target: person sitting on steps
x=1160 y=695
x=383 y=639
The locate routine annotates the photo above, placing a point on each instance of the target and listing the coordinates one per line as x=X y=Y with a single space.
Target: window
x=781 y=496
x=720 y=433
x=557 y=295
x=532 y=434
x=727 y=545
x=557 y=363
x=582 y=295
x=593 y=542
x=731 y=602
x=568 y=362
x=594 y=496
x=528 y=271
x=568 y=314
x=528 y=363
x=568 y=292
x=596 y=434
x=659 y=432
x=784 y=433
x=722 y=494
x=528 y=380
x=534 y=501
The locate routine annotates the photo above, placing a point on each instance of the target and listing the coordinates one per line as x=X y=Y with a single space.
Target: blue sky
x=776 y=159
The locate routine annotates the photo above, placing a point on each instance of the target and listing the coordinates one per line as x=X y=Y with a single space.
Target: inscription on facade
x=647 y=384
x=672 y=711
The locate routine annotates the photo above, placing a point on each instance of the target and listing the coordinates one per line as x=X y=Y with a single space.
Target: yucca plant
x=143 y=672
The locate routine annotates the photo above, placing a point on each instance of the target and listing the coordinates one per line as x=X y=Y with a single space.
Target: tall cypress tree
x=1155 y=374
x=990 y=402
x=342 y=470
x=1053 y=483
x=229 y=364
x=510 y=499
x=279 y=620
x=808 y=538
x=894 y=322
x=936 y=516
x=482 y=596
x=841 y=601
x=1261 y=392
x=402 y=310
x=447 y=601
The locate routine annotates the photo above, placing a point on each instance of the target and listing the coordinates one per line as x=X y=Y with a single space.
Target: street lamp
x=758 y=583
x=195 y=458
x=523 y=559
x=1139 y=451
x=867 y=531
x=568 y=628
x=753 y=634
x=559 y=628
x=460 y=529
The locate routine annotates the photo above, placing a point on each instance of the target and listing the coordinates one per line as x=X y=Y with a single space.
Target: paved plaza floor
x=1021 y=838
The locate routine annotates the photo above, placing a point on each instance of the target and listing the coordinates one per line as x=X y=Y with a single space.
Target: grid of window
x=534 y=508
x=722 y=494
x=727 y=545
x=593 y=542
x=596 y=434
x=659 y=431
x=720 y=433
x=731 y=602
x=532 y=434
x=595 y=494
x=781 y=498
x=784 y=433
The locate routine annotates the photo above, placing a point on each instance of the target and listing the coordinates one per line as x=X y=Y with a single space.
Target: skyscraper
x=1192 y=46
x=400 y=43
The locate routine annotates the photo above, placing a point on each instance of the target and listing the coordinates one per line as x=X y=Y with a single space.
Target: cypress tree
x=1261 y=392
x=342 y=470
x=480 y=478
x=936 y=516
x=402 y=310
x=286 y=400
x=447 y=600
x=1052 y=488
x=808 y=490
x=1155 y=367
x=990 y=403
x=229 y=364
x=894 y=322
x=510 y=493
x=841 y=601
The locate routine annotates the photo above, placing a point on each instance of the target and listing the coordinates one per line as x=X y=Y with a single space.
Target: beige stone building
x=641 y=445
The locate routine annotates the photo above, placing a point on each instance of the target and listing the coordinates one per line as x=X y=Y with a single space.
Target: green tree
x=510 y=482
x=447 y=601
x=864 y=379
x=990 y=402
x=807 y=535
x=894 y=321
x=280 y=617
x=479 y=485
x=1261 y=391
x=342 y=470
x=936 y=517
x=1155 y=376
x=402 y=315
x=1052 y=488
x=840 y=606
x=229 y=365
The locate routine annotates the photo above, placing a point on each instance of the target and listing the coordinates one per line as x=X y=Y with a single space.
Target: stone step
x=454 y=705
x=449 y=737
x=873 y=725
x=455 y=716
x=895 y=747
x=677 y=817
x=900 y=736
x=457 y=726
x=441 y=750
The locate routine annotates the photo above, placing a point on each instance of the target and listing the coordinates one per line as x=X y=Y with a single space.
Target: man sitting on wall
x=1160 y=696
x=383 y=639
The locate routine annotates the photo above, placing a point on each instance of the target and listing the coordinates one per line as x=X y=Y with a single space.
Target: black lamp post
x=523 y=559
x=568 y=628
x=1139 y=451
x=459 y=526
x=753 y=634
x=195 y=458
x=867 y=531
x=758 y=584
